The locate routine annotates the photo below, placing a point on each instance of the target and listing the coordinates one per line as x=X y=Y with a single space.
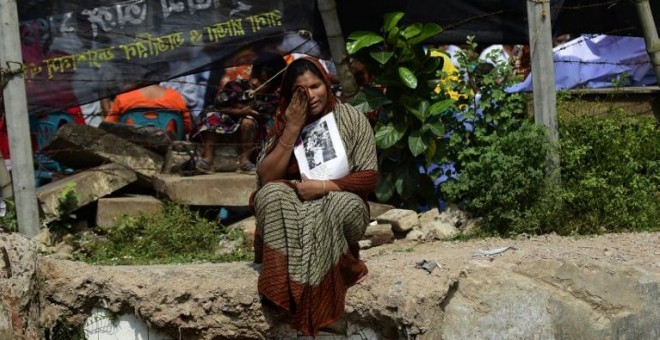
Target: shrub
x=502 y=180
x=610 y=173
x=176 y=235
x=426 y=117
x=610 y=179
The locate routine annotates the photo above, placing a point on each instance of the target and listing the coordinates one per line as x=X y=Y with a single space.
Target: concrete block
x=109 y=209
x=83 y=146
x=149 y=137
x=218 y=189
x=84 y=187
x=226 y=157
x=377 y=209
x=402 y=220
x=379 y=234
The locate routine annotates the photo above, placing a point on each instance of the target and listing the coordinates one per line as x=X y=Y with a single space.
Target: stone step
x=109 y=209
x=81 y=189
x=218 y=189
x=82 y=146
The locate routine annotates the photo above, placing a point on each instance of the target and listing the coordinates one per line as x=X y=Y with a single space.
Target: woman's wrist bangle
x=324 y=192
x=285 y=146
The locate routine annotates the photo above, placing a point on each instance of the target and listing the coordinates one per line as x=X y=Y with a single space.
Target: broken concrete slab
x=553 y=286
x=218 y=189
x=111 y=208
x=19 y=288
x=402 y=220
x=70 y=193
x=376 y=209
x=379 y=234
x=149 y=137
x=83 y=146
x=181 y=152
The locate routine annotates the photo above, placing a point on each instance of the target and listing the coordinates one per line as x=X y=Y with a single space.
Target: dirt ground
x=636 y=249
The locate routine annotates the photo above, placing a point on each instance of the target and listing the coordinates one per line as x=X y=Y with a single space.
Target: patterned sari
x=309 y=248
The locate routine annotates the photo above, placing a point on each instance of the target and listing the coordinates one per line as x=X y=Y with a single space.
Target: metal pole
x=650 y=34
x=543 y=74
x=13 y=86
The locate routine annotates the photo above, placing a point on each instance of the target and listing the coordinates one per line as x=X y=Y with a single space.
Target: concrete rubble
x=544 y=289
x=109 y=209
x=64 y=196
x=130 y=153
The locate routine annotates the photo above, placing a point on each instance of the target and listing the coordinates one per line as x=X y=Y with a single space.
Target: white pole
x=650 y=33
x=543 y=73
x=11 y=61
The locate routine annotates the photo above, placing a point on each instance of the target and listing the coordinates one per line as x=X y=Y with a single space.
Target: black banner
x=497 y=21
x=77 y=52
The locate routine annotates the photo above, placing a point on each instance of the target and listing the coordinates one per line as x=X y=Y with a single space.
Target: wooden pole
x=543 y=74
x=650 y=34
x=328 y=10
x=13 y=84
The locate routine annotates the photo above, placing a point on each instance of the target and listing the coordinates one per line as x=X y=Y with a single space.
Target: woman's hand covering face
x=296 y=112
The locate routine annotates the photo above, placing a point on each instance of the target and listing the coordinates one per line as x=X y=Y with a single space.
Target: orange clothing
x=134 y=99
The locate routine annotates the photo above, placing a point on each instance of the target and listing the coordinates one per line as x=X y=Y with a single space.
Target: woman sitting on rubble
x=242 y=106
x=308 y=229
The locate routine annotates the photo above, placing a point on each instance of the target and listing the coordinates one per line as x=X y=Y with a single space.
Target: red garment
x=136 y=98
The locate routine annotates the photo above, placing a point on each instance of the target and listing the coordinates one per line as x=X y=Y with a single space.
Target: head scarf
x=287 y=93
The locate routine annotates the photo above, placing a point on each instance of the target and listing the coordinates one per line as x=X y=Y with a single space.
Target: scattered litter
x=493 y=252
x=427 y=265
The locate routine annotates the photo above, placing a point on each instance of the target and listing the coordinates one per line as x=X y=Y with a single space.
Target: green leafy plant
x=409 y=125
x=175 y=236
x=426 y=116
x=503 y=181
x=68 y=200
x=9 y=221
x=610 y=173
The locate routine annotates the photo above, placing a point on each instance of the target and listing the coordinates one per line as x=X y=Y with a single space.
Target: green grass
x=178 y=235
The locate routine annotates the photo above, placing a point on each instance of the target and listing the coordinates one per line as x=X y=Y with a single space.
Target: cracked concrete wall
x=465 y=297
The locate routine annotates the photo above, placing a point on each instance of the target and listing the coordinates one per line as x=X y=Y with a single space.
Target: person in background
x=150 y=96
x=308 y=230
x=193 y=89
x=518 y=56
x=243 y=106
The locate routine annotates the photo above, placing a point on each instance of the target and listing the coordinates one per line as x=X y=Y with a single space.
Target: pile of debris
x=131 y=170
x=128 y=170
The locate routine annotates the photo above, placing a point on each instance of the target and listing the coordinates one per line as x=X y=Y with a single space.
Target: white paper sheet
x=320 y=151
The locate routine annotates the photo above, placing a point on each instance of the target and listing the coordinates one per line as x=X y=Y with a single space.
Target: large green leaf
x=361 y=39
x=385 y=189
x=382 y=57
x=388 y=135
x=431 y=151
x=391 y=20
x=441 y=106
x=423 y=108
x=412 y=31
x=369 y=99
x=407 y=176
x=407 y=77
x=416 y=144
x=414 y=112
x=428 y=30
x=436 y=128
